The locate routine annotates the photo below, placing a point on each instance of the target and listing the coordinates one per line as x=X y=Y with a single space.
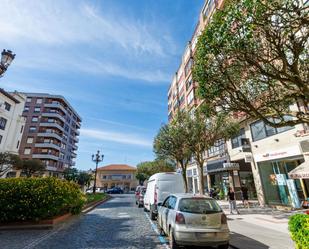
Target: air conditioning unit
x=304 y=145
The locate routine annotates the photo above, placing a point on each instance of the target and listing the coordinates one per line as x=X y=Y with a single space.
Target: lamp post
x=6 y=59
x=97 y=158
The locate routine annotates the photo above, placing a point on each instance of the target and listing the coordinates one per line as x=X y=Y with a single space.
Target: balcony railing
x=53 y=115
x=55 y=125
x=50 y=134
x=48 y=145
x=55 y=105
x=45 y=156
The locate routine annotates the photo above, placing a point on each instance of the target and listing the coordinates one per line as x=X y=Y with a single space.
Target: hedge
x=23 y=199
x=299 y=229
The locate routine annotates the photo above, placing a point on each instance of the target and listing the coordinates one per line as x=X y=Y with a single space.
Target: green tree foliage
x=7 y=162
x=31 y=167
x=71 y=174
x=206 y=132
x=170 y=143
x=147 y=169
x=253 y=59
x=299 y=229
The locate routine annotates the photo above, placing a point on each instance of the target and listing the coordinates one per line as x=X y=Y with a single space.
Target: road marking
x=45 y=236
x=161 y=238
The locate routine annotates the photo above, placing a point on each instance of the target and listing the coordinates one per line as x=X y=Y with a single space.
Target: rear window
x=199 y=206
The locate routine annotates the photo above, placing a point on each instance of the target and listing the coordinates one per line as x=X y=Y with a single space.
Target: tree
x=31 y=167
x=206 y=132
x=71 y=174
x=7 y=162
x=84 y=179
x=149 y=168
x=170 y=143
x=253 y=59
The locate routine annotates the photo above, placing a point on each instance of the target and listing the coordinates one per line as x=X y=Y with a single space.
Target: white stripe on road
x=154 y=227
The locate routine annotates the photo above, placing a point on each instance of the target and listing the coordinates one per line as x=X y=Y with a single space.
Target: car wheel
x=140 y=205
x=172 y=241
x=145 y=209
x=152 y=215
x=226 y=246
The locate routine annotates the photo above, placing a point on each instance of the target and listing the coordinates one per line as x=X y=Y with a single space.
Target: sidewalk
x=258 y=227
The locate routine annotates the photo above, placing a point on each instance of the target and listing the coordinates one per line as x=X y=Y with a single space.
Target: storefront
x=274 y=168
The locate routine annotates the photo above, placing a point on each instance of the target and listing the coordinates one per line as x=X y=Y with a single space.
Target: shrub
x=38 y=198
x=299 y=229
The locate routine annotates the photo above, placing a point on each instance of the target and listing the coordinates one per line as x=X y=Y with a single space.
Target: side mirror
x=160 y=204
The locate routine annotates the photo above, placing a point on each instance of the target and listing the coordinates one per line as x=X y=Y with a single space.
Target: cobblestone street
x=115 y=224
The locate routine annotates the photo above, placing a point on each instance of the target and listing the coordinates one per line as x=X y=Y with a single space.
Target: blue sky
x=113 y=60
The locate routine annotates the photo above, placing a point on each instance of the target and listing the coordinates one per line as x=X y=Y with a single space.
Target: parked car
x=115 y=190
x=139 y=196
x=159 y=186
x=194 y=220
x=136 y=193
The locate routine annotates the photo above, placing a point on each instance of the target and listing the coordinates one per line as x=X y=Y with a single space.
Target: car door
x=170 y=214
x=164 y=212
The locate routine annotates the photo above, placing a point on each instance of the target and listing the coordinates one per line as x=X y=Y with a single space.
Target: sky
x=113 y=60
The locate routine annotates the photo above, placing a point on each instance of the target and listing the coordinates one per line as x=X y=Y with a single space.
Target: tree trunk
x=184 y=176
x=201 y=185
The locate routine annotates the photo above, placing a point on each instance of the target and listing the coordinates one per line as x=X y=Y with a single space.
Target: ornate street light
x=6 y=59
x=97 y=159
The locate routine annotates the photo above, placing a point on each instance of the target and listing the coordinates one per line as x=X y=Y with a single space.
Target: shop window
x=260 y=130
x=236 y=141
x=0 y=139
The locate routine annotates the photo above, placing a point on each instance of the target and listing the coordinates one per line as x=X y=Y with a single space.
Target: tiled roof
x=117 y=167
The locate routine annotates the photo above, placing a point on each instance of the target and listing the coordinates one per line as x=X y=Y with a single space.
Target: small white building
x=11 y=121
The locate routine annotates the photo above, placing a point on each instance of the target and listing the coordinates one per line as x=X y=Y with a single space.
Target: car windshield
x=199 y=206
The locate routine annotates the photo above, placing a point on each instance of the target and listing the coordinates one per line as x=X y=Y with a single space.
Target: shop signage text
x=287 y=152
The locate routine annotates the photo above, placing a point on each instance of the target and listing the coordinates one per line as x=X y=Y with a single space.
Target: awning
x=301 y=171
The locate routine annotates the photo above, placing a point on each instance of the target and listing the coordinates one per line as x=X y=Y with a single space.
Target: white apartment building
x=11 y=121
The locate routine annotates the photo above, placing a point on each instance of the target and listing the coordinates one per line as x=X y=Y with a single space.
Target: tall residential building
x=51 y=132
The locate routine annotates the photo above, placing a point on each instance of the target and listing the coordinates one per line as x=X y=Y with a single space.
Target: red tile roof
x=117 y=167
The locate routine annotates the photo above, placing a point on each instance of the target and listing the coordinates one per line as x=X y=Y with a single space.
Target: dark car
x=115 y=190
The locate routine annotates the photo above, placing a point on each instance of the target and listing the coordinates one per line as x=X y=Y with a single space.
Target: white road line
x=42 y=238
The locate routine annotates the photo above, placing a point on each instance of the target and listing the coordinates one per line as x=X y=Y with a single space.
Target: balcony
x=54 y=125
x=50 y=134
x=47 y=145
x=77 y=132
x=73 y=154
x=53 y=115
x=76 y=139
x=51 y=168
x=45 y=156
x=55 y=105
x=74 y=147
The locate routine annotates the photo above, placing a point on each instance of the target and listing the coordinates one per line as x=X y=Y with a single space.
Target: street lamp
x=6 y=59
x=97 y=159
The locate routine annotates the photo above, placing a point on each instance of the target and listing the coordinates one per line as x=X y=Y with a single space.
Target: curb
x=94 y=205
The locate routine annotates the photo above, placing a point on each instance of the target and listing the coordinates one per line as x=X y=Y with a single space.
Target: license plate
x=205 y=235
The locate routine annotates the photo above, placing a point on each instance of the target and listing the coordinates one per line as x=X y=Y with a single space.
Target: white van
x=159 y=186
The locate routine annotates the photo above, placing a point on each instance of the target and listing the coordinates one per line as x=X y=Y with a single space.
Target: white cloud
x=70 y=22
x=118 y=137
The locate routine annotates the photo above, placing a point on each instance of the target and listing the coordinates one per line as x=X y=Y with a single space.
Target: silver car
x=193 y=220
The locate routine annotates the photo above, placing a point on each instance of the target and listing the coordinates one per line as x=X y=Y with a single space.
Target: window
x=39 y=101
x=7 y=106
x=2 y=123
x=27 y=151
x=37 y=109
x=28 y=100
x=21 y=129
x=0 y=139
x=29 y=140
x=199 y=206
x=236 y=141
x=217 y=149
x=17 y=144
x=104 y=177
x=190 y=97
x=188 y=66
x=26 y=109
x=189 y=83
x=260 y=130
x=35 y=119
x=172 y=202
x=32 y=129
